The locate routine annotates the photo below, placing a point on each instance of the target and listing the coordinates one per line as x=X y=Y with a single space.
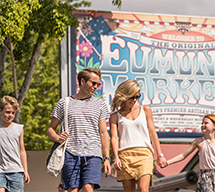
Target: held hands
x=162 y=162
x=63 y=137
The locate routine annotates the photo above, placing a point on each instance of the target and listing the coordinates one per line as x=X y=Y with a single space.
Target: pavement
x=110 y=184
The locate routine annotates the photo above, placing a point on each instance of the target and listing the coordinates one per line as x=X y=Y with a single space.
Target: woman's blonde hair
x=9 y=100
x=211 y=117
x=124 y=91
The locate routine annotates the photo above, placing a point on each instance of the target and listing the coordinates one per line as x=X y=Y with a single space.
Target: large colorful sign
x=172 y=58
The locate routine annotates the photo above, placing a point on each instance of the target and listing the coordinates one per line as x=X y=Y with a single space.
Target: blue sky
x=205 y=8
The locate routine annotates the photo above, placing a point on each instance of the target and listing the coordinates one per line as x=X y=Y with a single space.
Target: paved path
x=110 y=184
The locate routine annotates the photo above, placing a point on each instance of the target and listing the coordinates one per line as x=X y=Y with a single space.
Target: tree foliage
x=26 y=24
x=29 y=35
x=14 y=17
x=41 y=98
x=118 y=3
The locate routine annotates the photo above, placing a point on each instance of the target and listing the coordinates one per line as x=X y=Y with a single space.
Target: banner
x=171 y=57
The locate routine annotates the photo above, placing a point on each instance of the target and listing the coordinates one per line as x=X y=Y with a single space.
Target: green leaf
x=90 y=63
x=79 y=67
x=82 y=61
x=96 y=65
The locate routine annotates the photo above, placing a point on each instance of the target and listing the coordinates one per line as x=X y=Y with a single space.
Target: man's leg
x=85 y=188
x=71 y=172
x=88 y=187
x=90 y=173
x=73 y=190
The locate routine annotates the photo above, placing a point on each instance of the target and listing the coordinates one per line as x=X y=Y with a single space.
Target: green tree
x=41 y=98
x=42 y=95
x=24 y=26
x=118 y=3
x=30 y=32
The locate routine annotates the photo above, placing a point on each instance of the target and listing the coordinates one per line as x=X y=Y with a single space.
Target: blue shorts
x=78 y=170
x=12 y=182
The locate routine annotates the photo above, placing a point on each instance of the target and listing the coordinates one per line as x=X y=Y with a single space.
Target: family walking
x=132 y=135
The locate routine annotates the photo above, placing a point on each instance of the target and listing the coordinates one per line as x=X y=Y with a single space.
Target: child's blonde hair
x=9 y=100
x=211 y=117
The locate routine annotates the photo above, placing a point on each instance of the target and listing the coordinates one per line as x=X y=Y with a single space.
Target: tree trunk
x=27 y=81
x=3 y=55
x=14 y=68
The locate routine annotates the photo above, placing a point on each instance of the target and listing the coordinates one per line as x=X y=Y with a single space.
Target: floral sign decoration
x=85 y=50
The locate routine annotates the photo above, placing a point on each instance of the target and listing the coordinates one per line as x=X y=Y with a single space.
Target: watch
x=161 y=155
x=108 y=158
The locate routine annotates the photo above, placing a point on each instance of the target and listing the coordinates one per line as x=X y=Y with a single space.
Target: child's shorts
x=78 y=170
x=136 y=162
x=12 y=182
x=206 y=181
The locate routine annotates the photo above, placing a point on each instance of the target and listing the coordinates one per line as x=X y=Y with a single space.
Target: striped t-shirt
x=83 y=119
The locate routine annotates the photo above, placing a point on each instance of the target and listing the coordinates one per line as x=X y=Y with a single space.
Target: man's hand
x=107 y=167
x=63 y=137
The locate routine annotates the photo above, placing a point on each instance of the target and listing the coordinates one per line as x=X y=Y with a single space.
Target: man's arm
x=23 y=157
x=105 y=141
x=51 y=131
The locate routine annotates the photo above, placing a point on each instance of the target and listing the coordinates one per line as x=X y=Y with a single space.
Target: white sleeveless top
x=133 y=133
x=207 y=156
x=10 y=149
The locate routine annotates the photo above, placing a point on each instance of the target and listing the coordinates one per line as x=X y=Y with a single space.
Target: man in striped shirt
x=87 y=134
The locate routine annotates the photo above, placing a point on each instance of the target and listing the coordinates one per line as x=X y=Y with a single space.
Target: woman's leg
x=129 y=185
x=143 y=183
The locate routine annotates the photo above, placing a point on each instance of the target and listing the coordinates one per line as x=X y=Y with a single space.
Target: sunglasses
x=134 y=97
x=95 y=83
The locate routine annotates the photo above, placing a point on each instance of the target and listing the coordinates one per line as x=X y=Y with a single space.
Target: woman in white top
x=133 y=153
x=206 y=147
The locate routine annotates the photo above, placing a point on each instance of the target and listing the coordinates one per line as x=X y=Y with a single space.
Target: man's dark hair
x=85 y=74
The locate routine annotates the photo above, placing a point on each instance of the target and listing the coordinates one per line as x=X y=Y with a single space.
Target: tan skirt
x=136 y=162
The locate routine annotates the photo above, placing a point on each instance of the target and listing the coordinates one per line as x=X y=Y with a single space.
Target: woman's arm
x=105 y=142
x=114 y=139
x=161 y=161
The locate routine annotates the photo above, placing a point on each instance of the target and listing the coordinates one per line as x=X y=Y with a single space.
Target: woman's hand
x=161 y=161
x=117 y=164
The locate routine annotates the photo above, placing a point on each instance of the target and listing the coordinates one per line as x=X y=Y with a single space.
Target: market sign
x=171 y=57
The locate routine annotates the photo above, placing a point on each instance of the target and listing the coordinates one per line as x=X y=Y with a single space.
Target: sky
x=204 y=8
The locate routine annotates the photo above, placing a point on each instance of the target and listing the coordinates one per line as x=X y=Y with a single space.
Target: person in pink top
x=206 y=147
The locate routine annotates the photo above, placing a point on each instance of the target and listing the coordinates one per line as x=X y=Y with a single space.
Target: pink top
x=207 y=156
